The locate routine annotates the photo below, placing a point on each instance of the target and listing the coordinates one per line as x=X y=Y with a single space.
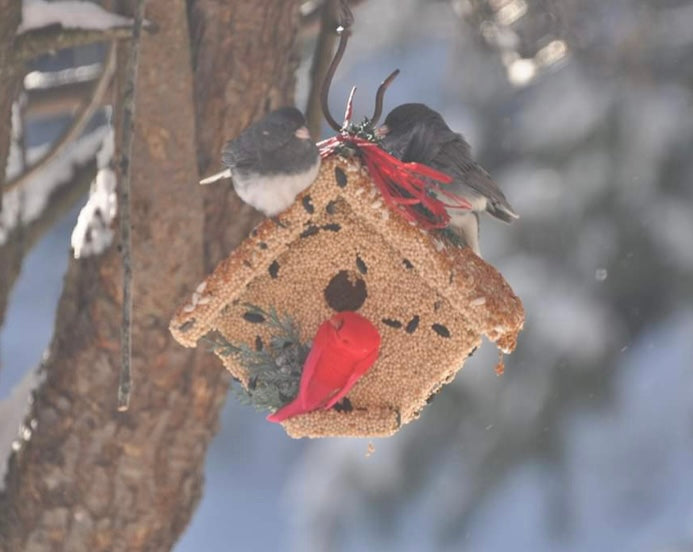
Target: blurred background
x=583 y=112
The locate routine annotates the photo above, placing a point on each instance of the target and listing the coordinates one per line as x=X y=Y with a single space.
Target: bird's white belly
x=478 y=201
x=272 y=194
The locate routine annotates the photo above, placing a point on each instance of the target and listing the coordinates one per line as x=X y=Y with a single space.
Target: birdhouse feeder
x=338 y=248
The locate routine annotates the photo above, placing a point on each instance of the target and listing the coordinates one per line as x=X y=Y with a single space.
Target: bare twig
x=78 y=124
x=128 y=99
x=11 y=75
x=21 y=138
x=47 y=40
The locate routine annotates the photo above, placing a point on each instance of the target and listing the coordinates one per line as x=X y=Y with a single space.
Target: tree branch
x=23 y=238
x=48 y=40
x=78 y=124
x=10 y=77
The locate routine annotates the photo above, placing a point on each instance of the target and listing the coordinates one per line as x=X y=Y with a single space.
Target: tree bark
x=90 y=478
x=245 y=62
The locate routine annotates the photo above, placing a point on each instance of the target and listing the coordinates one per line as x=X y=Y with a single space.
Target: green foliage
x=274 y=369
x=366 y=130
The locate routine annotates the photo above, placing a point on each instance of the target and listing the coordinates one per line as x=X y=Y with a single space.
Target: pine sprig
x=274 y=370
x=285 y=326
x=217 y=343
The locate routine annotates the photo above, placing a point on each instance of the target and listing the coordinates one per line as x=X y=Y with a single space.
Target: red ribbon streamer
x=405 y=187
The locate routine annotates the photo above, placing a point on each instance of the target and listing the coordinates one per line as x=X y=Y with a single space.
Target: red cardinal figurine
x=344 y=348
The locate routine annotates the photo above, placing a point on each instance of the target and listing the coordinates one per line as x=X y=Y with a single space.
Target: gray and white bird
x=271 y=161
x=414 y=132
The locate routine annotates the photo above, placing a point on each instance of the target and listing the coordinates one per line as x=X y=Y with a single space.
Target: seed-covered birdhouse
x=339 y=248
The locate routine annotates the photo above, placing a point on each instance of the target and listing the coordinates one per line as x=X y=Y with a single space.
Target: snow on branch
x=93 y=233
x=26 y=203
x=16 y=156
x=13 y=410
x=69 y=14
x=44 y=80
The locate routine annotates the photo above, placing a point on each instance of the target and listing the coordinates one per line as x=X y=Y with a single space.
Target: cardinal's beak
x=302 y=133
x=382 y=131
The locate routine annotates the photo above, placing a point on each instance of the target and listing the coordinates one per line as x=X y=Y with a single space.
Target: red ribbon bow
x=408 y=188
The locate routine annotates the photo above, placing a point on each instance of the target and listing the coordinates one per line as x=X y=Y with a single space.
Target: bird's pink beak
x=382 y=131
x=302 y=133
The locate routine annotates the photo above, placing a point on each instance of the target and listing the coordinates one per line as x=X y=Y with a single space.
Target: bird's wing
x=254 y=144
x=359 y=368
x=454 y=157
x=424 y=144
x=323 y=338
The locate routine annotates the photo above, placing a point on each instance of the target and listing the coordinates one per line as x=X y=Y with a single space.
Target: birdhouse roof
x=338 y=247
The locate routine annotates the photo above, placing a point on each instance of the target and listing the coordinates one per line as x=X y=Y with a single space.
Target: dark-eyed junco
x=271 y=161
x=414 y=132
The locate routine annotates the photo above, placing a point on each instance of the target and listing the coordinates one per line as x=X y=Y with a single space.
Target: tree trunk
x=90 y=478
x=245 y=61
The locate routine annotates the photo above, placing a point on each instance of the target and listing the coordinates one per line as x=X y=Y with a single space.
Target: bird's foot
x=276 y=220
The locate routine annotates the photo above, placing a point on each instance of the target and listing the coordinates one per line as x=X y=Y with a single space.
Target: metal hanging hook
x=345 y=19
x=380 y=95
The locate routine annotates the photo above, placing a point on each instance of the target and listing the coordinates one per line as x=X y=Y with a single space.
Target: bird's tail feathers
x=226 y=173
x=502 y=211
